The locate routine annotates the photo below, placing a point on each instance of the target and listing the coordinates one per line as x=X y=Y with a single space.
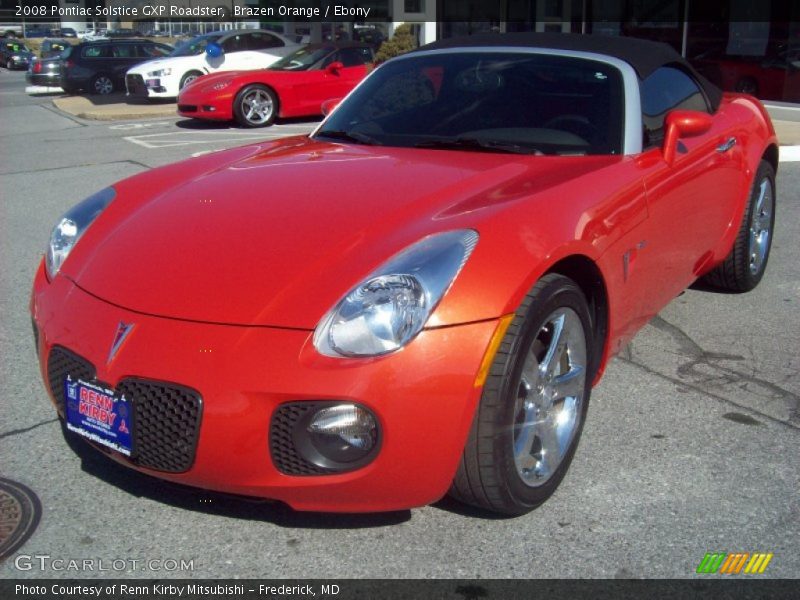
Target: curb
x=82 y=108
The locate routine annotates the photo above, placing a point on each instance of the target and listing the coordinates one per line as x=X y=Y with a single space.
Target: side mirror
x=214 y=50
x=683 y=124
x=329 y=105
x=334 y=67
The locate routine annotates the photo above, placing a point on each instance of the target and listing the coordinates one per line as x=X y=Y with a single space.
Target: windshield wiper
x=349 y=136
x=477 y=144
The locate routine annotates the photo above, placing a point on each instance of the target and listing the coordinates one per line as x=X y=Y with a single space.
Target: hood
x=276 y=235
x=173 y=62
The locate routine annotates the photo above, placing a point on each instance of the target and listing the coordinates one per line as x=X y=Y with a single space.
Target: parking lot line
x=185 y=138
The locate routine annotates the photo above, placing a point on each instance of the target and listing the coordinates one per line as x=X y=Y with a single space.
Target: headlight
x=71 y=227
x=391 y=306
x=218 y=86
x=160 y=73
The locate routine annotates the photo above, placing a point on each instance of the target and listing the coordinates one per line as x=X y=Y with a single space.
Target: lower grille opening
x=284 y=453
x=166 y=416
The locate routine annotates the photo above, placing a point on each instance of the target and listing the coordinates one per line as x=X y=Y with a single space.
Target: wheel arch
x=771 y=156
x=587 y=275
x=192 y=70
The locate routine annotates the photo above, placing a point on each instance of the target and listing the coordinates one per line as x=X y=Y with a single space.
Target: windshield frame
x=631 y=106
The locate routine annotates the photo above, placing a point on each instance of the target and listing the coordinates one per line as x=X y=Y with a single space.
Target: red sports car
x=775 y=77
x=295 y=86
x=417 y=297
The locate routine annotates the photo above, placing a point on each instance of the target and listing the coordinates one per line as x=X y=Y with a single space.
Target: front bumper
x=142 y=86
x=196 y=105
x=423 y=397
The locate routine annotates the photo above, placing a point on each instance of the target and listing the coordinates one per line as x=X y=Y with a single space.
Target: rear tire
x=102 y=85
x=743 y=268
x=531 y=413
x=255 y=106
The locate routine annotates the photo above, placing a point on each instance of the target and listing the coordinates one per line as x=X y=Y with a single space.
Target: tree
x=402 y=41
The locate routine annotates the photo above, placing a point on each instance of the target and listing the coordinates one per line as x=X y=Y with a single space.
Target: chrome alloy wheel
x=257 y=106
x=550 y=396
x=761 y=226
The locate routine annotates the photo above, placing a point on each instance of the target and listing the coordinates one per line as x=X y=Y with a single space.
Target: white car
x=237 y=50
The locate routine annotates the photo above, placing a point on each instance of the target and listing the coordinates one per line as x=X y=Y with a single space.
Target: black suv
x=99 y=67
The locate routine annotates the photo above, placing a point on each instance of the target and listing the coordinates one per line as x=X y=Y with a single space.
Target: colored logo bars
x=734 y=563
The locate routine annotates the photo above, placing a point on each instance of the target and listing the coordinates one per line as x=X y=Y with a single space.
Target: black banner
x=623 y=13
x=346 y=589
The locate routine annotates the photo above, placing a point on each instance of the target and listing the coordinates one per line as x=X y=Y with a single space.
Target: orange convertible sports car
x=417 y=297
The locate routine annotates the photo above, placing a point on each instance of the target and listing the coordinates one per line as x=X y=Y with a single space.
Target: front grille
x=166 y=423
x=166 y=416
x=187 y=108
x=135 y=84
x=61 y=363
x=284 y=453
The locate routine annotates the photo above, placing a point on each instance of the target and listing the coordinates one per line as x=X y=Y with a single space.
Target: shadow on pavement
x=97 y=464
x=208 y=125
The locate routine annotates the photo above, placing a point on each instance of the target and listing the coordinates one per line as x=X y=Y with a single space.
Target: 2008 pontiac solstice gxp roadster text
x=417 y=297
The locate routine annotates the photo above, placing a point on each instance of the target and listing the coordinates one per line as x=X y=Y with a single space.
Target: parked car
x=369 y=34
x=417 y=297
x=99 y=67
x=772 y=77
x=11 y=30
x=37 y=32
x=45 y=72
x=14 y=54
x=294 y=86
x=122 y=32
x=240 y=49
x=96 y=35
x=53 y=47
x=68 y=32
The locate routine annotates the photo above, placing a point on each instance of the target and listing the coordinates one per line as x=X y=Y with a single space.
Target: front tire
x=531 y=413
x=255 y=106
x=189 y=78
x=743 y=268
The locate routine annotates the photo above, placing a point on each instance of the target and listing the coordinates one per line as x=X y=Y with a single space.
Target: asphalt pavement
x=691 y=443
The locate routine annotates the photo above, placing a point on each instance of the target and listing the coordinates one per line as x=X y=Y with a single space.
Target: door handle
x=727 y=145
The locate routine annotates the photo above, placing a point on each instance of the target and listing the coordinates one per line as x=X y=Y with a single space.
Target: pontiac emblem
x=123 y=329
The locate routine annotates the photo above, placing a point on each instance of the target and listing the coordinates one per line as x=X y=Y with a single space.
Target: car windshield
x=195 y=45
x=302 y=59
x=516 y=102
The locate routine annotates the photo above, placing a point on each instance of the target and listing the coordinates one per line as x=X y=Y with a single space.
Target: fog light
x=328 y=436
x=344 y=433
x=209 y=108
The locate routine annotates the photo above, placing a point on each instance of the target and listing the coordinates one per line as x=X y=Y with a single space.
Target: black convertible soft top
x=643 y=55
